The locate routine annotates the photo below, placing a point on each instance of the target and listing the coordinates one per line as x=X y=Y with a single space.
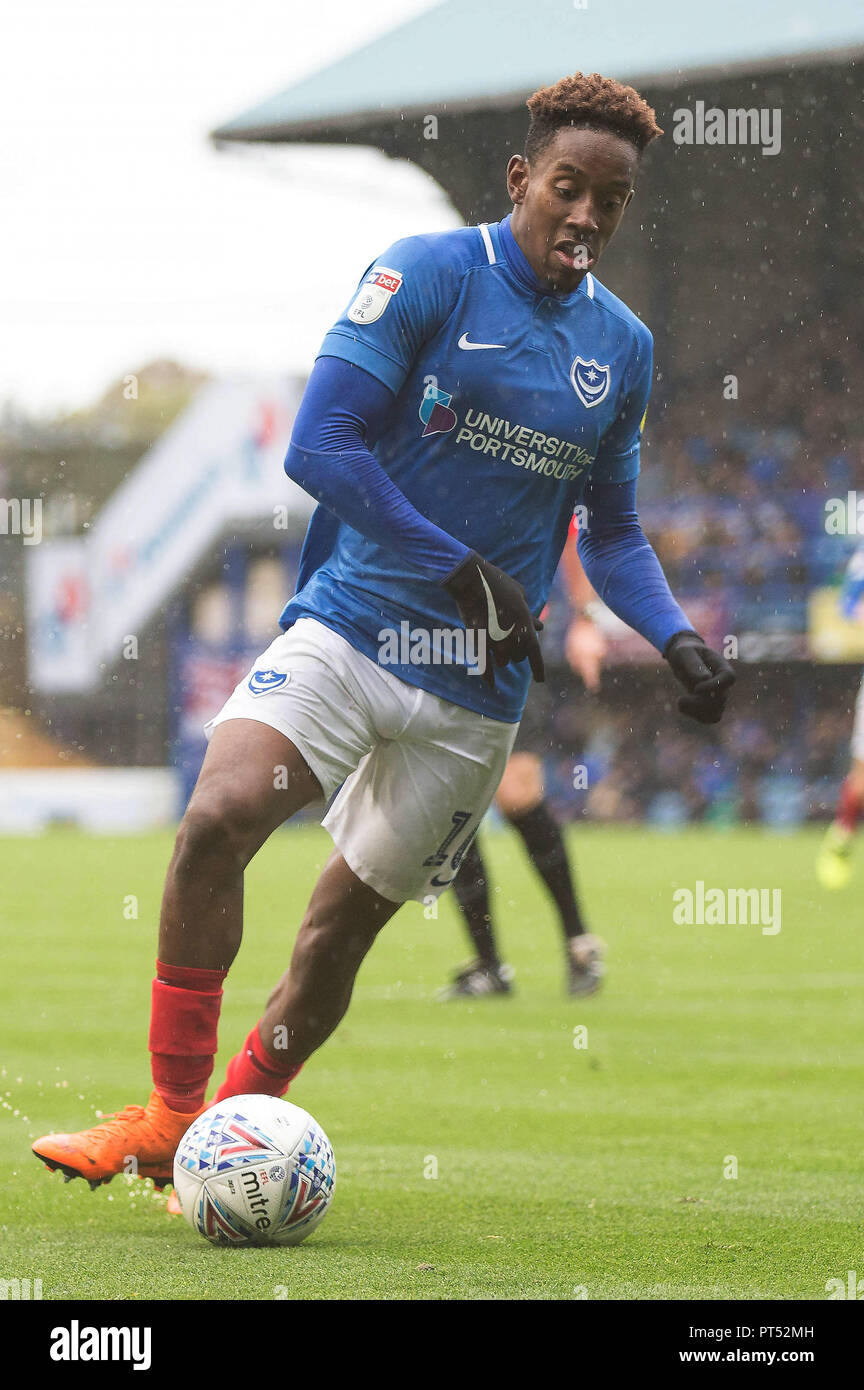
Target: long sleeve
x=622 y=567
x=329 y=457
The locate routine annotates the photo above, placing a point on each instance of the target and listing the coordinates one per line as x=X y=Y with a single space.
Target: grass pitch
x=563 y=1171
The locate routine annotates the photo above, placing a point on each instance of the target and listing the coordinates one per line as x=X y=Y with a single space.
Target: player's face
x=568 y=203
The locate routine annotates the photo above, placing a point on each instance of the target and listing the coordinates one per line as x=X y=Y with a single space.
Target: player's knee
x=521 y=787
x=319 y=939
x=217 y=829
x=332 y=930
x=515 y=806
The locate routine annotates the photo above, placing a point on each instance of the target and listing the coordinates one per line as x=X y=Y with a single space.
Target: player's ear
x=517 y=177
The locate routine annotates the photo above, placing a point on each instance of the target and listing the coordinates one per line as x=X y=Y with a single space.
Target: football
x=254 y=1170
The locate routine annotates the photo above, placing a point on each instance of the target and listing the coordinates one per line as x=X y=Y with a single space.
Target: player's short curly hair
x=595 y=102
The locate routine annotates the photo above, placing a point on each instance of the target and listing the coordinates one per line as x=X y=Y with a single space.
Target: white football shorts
x=858 y=726
x=414 y=774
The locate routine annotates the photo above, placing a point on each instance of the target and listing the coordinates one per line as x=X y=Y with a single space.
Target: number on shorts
x=459 y=821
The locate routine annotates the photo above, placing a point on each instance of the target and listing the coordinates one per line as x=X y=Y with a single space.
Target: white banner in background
x=220 y=462
x=58 y=612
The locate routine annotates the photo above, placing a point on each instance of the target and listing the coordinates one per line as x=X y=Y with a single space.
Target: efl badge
x=374 y=294
x=262 y=682
x=435 y=411
x=590 y=381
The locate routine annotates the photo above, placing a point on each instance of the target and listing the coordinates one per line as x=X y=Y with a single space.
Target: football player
x=479 y=385
x=834 y=864
x=522 y=801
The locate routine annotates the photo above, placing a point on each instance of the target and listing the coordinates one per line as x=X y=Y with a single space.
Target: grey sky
x=126 y=237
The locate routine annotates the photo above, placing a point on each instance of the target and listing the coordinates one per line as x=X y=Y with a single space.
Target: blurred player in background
x=521 y=800
x=834 y=864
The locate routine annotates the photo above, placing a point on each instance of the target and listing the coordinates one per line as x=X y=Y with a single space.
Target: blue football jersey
x=508 y=398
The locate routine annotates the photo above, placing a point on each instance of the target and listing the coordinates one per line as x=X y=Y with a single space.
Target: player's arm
x=363 y=363
x=584 y=644
x=621 y=565
x=580 y=591
x=343 y=405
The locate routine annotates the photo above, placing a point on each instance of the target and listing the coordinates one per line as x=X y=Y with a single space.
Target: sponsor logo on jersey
x=467 y=346
x=537 y=452
x=507 y=440
x=590 y=381
x=435 y=412
x=262 y=682
x=374 y=294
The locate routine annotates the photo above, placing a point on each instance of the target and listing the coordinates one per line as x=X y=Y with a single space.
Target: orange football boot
x=172 y=1205
x=149 y=1135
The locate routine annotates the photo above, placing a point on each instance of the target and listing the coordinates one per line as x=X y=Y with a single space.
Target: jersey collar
x=517 y=263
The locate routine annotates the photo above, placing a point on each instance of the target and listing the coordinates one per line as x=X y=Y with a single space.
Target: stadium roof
x=471 y=54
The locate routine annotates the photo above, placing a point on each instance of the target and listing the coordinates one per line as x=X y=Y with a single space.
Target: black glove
x=491 y=602
x=705 y=675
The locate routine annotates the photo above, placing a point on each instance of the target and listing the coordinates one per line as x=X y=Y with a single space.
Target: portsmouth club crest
x=435 y=411
x=590 y=381
x=262 y=682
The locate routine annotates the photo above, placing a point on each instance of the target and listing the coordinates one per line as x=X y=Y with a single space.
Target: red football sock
x=253 y=1072
x=849 y=806
x=184 y=1018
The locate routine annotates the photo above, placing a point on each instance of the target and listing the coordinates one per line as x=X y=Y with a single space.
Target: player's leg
x=834 y=864
x=402 y=824
x=521 y=798
x=485 y=974
x=252 y=780
x=341 y=922
x=852 y=804
x=471 y=891
x=238 y=801
x=292 y=731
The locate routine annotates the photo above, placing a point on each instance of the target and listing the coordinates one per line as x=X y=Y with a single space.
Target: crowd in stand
x=642 y=763
x=731 y=502
x=740 y=509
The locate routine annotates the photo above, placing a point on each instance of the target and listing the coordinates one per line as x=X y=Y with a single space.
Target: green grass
x=559 y=1169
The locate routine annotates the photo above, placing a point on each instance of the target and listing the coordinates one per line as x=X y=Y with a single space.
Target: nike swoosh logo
x=441 y=882
x=477 y=347
x=495 y=632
